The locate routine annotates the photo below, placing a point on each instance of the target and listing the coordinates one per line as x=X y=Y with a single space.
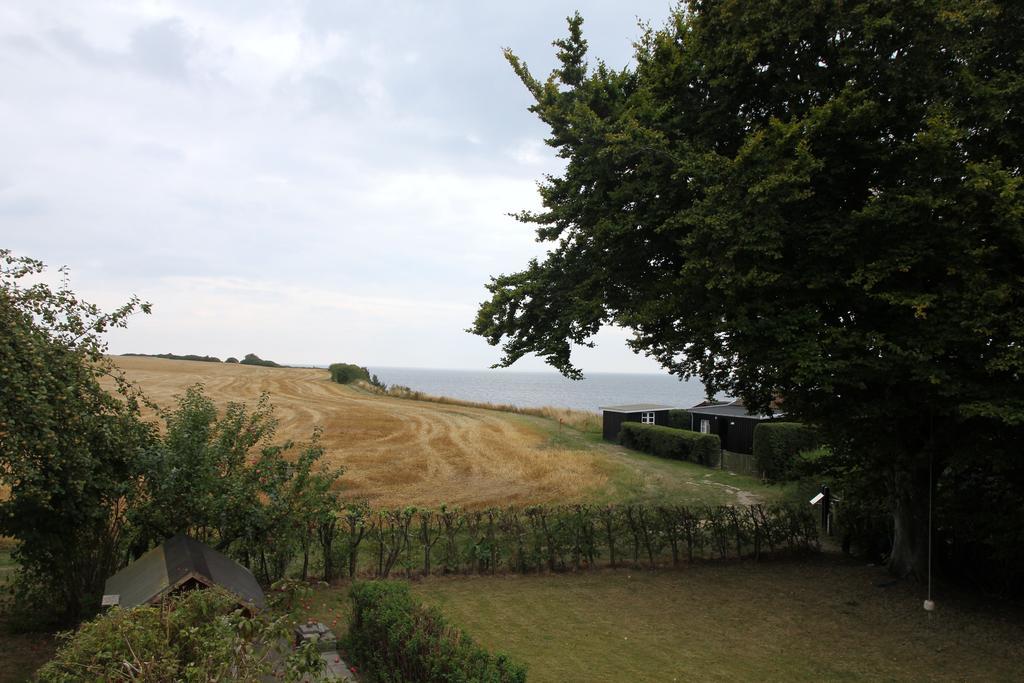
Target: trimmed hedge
x=666 y=442
x=394 y=638
x=679 y=419
x=777 y=444
x=345 y=373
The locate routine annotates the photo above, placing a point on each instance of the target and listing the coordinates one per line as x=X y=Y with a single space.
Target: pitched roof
x=734 y=409
x=170 y=565
x=635 y=408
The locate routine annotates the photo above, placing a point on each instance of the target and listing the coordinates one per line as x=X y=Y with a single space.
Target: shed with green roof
x=179 y=564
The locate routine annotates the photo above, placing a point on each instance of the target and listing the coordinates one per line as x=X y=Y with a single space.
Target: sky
x=315 y=182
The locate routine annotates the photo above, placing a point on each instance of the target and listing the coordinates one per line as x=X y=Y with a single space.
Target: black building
x=731 y=421
x=645 y=413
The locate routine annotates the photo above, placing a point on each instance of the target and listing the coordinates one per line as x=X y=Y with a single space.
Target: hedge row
x=395 y=638
x=667 y=442
x=539 y=538
x=777 y=444
x=680 y=419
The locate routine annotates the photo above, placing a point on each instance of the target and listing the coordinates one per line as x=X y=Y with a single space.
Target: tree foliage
x=197 y=636
x=253 y=359
x=70 y=451
x=346 y=373
x=86 y=485
x=821 y=202
x=222 y=479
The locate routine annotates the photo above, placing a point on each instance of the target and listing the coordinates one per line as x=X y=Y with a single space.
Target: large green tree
x=815 y=200
x=70 y=451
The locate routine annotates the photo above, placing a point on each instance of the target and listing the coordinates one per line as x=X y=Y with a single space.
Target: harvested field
x=396 y=452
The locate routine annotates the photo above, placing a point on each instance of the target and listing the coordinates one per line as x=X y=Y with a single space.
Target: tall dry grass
x=582 y=420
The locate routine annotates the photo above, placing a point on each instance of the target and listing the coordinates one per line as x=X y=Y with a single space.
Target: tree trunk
x=909 y=557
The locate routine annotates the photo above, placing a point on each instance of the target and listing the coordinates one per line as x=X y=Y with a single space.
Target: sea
x=536 y=389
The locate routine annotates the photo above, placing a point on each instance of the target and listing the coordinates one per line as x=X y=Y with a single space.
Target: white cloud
x=294 y=178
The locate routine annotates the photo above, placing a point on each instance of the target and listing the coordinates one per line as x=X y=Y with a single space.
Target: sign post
x=825 y=499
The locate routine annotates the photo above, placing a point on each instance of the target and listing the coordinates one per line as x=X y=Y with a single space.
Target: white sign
x=817 y=499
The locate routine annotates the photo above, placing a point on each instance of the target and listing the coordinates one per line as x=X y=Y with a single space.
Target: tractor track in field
x=395 y=451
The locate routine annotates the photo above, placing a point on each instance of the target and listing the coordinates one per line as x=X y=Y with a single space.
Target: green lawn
x=818 y=618
x=635 y=477
x=822 y=618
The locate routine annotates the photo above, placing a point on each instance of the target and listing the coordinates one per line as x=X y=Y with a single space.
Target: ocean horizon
x=534 y=389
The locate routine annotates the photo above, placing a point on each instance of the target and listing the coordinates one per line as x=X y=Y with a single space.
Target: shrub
x=346 y=373
x=395 y=638
x=667 y=442
x=231 y=359
x=253 y=359
x=197 y=636
x=777 y=445
x=679 y=419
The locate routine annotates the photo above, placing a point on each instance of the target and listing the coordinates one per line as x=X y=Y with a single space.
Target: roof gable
x=170 y=565
x=733 y=409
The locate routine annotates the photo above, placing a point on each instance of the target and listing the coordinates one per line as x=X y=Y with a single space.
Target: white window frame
x=647 y=418
x=705 y=426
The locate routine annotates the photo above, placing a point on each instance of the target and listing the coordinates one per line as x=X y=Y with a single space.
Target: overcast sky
x=310 y=181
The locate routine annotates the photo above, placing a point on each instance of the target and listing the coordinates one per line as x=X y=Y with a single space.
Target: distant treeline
x=174 y=356
x=250 y=359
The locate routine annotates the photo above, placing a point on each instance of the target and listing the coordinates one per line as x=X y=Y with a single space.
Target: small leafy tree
x=223 y=481
x=70 y=451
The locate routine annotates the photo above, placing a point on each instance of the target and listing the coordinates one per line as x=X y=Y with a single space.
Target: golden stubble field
x=395 y=451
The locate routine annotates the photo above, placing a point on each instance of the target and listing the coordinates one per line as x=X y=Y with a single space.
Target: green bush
x=394 y=638
x=680 y=419
x=666 y=442
x=346 y=373
x=199 y=635
x=231 y=359
x=253 y=359
x=777 y=445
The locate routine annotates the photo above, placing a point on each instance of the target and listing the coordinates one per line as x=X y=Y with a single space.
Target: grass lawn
x=635 y=477
x=823 y=618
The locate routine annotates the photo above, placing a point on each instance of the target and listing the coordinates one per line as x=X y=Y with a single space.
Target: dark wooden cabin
x=645 y=413
x=733 y=424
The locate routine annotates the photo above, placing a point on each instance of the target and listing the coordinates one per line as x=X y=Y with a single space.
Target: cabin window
x=647 y=418
x=705 y=426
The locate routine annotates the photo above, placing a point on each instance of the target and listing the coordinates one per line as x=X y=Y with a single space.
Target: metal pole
x=930 y=460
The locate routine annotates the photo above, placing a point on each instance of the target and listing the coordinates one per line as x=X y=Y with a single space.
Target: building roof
x=734 y=409
x=172 y=564
x=635 y=408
